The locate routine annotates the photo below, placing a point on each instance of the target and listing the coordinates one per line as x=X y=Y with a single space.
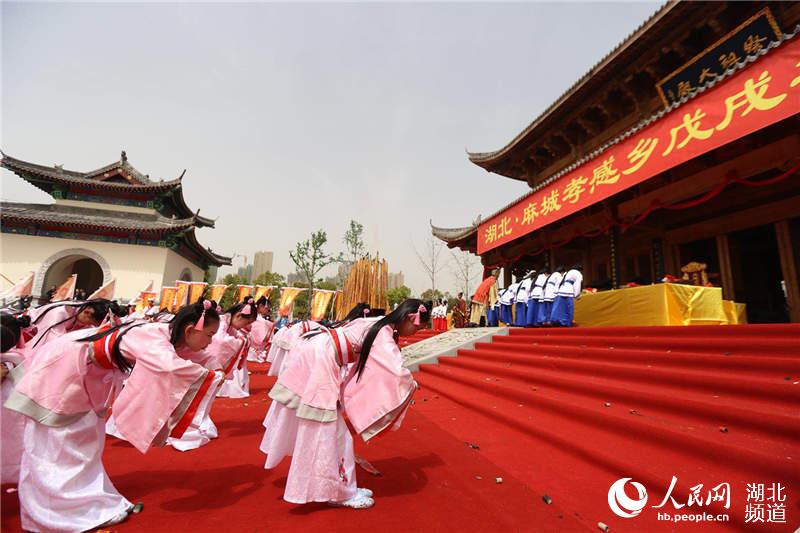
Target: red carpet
x=427 y=484
x=420 y=335
x=573 y=410
x=532 y=404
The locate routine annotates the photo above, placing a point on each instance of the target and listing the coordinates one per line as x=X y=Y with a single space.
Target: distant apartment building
x=294 y=277
x=396 y=279
x=262 y=262
x=246 y=273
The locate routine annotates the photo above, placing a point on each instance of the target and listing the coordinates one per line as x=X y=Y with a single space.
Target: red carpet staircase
x=420 y=335
x=573 y=410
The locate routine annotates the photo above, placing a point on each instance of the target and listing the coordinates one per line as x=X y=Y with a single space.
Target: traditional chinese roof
x=484 y=159
x=86 y=219
x=617 y=92
x=649 y=120
x=464 y=238
x=56 y=217
x=118 y=178
x=206 y=254
x=452 y=234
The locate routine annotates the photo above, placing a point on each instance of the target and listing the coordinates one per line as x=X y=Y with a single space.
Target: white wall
x=132 y=265
x=175 y=264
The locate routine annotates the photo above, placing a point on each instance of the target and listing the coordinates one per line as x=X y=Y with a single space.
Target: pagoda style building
x=680 y=147
x=113 y=222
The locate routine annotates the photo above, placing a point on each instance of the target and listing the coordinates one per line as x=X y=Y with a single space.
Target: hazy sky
x=294 y=117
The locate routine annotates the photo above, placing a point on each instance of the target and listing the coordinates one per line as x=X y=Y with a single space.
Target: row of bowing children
x=65 y=364
x=542 y=298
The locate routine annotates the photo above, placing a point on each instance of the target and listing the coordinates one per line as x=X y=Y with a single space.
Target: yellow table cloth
x=736 y=312
x=665 y=304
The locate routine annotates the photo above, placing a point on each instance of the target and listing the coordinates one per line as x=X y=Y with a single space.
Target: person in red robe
x=460 y=312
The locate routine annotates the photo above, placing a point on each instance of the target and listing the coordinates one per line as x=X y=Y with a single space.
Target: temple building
x=681 y=146
x=113 y=222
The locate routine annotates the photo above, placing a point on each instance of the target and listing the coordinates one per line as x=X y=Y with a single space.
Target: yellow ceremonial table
x=664 y=304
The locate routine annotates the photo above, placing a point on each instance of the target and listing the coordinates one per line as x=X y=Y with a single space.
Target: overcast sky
x=294 y=117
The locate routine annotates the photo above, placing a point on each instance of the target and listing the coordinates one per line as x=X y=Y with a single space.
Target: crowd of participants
x=65 y=363
x=540 y=298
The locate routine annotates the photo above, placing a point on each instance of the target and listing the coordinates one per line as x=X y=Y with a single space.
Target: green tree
x=310 y=258
x=431 y=294
x=301 y=307
x=397 y=295
x=277 y=281
x=229 y=296
x=354 y=241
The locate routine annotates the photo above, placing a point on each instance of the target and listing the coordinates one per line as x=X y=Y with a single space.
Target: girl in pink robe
x=227 y=349
x=232 y=331
x=66 y=392
x=13 y=423
x=51 y=321
x=260 y=332
x=284 y=341
x=355 y=370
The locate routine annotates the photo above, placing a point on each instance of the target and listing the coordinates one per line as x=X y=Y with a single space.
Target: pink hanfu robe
x=202 y=428
x=12 y=423
x=260 y=335
x=67 y=390
x=311 y=398
x=231 y=346
x=50 y=325
x=283 y=342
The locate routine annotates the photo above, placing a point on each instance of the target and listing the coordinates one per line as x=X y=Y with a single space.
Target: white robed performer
x=355 y=369
x=563 y=313
x=549 y=295
x=66 y=391
x=521 y=300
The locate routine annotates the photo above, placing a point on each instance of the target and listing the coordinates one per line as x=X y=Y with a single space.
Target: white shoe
x=364 y=492
x=359 y=501
x=117 y=519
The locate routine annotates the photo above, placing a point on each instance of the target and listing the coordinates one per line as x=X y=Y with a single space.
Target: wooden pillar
x=657 y=260
x=672 y=259
x=614 y=250
x=725 y=269
x=586 y=263
x=507 y=275
x=788 y=268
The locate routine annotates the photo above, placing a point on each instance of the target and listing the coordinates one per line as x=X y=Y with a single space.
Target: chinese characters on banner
x=764 y=93
x=748 y=38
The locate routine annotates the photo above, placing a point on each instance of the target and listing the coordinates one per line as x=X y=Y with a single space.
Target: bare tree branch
x=465 y=268
x=430 y=258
